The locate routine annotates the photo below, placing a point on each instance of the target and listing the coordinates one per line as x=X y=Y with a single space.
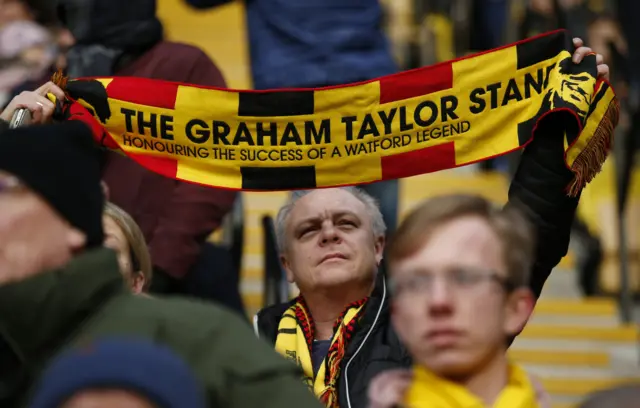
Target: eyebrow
x=337 y=214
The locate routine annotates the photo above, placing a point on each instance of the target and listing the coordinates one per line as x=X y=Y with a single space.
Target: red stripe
x=427 y=160
x=164 y=166
x=143 y=91
x=417 y=82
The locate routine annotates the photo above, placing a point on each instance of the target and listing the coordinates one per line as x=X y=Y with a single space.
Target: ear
x=287 y=268
x=519 y=307
x=379 y=249
x=76 y=239
x=137 y=282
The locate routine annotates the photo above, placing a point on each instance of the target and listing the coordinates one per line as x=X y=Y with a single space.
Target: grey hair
x=377 y=222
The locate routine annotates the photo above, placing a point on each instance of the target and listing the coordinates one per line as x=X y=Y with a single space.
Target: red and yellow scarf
x=295 y=338
x=415 y=122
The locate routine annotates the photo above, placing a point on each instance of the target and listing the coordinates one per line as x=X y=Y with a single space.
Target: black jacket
x=374 y=348
x=538 y=189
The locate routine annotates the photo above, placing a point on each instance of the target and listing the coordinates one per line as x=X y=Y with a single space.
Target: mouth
x=443 y=337
x=332 y=257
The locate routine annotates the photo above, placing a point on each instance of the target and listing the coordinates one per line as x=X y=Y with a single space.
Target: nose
x=329 y=234
x=440 y=298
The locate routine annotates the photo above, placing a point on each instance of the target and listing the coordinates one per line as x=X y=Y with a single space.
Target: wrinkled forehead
x=326 y=203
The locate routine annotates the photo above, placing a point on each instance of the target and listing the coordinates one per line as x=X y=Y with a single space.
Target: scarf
x=429 y=391
x=415 y=122
x=295 y=338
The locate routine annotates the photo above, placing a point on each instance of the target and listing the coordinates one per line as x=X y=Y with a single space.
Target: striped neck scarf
x=296 y=333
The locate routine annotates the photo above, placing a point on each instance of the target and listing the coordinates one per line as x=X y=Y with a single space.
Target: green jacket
x=87 y=299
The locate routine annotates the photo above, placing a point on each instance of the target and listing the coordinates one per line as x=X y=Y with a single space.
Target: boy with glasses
x=459 y=273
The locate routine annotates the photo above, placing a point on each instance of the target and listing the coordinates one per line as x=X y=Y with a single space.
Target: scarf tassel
x=591 y=159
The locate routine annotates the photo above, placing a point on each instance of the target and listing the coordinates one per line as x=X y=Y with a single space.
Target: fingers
x=52 y=88
x=40 y=107
x=580 y=53
x=603 y=71
x=577 y=42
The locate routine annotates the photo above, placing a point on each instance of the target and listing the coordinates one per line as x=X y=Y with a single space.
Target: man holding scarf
x=331 y=242
x=459 y=273
x=125 y=38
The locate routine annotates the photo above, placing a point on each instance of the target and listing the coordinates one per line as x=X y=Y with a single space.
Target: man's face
x=451 y=307
x=107 y=399
x=330 y=241
x=33 y=237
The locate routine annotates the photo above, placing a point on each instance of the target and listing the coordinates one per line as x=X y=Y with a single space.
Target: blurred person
x=459 y=271
x=623 y=396
x=60 y=287
x=125 y=38
x=318 y=43
x=123 y=235
x=331 y=243
x=27 y=48
x=119 y=372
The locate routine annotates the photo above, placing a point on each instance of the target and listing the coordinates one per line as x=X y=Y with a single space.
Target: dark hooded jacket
x=87 y=300
x=124 y=38
x=538 y=189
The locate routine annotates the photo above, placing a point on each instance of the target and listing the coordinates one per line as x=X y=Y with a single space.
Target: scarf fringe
x=590 y=161
x=60 y=80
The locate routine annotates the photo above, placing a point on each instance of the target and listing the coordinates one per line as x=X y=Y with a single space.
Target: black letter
x=202 y=134
x=151 y=124
x=434 y=114
x=128 y=114
x=478 y=104
x=448 y=111
x=166 y=127
x=348 y=121
x=272 y=133
x=220 y=132
x=310 y=132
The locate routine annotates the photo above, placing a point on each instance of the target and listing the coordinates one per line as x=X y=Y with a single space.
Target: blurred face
x=107 y=399
x=13 y=10
x=33 y=237
x=330 y=242
x=116 y=240
x=451 y=305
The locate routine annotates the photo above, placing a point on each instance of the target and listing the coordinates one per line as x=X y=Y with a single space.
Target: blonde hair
x=138 y=250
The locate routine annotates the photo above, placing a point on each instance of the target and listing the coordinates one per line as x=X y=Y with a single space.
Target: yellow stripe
x=494 y=134
x=622 y=334
x=582 y=386
x=580 y=307
x=561 y=358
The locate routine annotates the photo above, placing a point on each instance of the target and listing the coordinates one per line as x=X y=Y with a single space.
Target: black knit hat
x=61 y=163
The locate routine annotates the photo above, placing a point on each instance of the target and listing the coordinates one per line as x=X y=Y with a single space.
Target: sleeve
x=539 y=189
x=254 y=374
x=192 y=212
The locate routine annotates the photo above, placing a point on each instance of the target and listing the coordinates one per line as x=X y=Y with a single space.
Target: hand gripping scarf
x=420 y=121
x=429 y=391
x=294 y=341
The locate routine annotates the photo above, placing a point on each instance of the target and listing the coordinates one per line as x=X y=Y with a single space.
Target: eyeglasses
x=459 y=279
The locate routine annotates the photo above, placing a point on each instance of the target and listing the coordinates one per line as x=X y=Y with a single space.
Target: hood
x=110 y=23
